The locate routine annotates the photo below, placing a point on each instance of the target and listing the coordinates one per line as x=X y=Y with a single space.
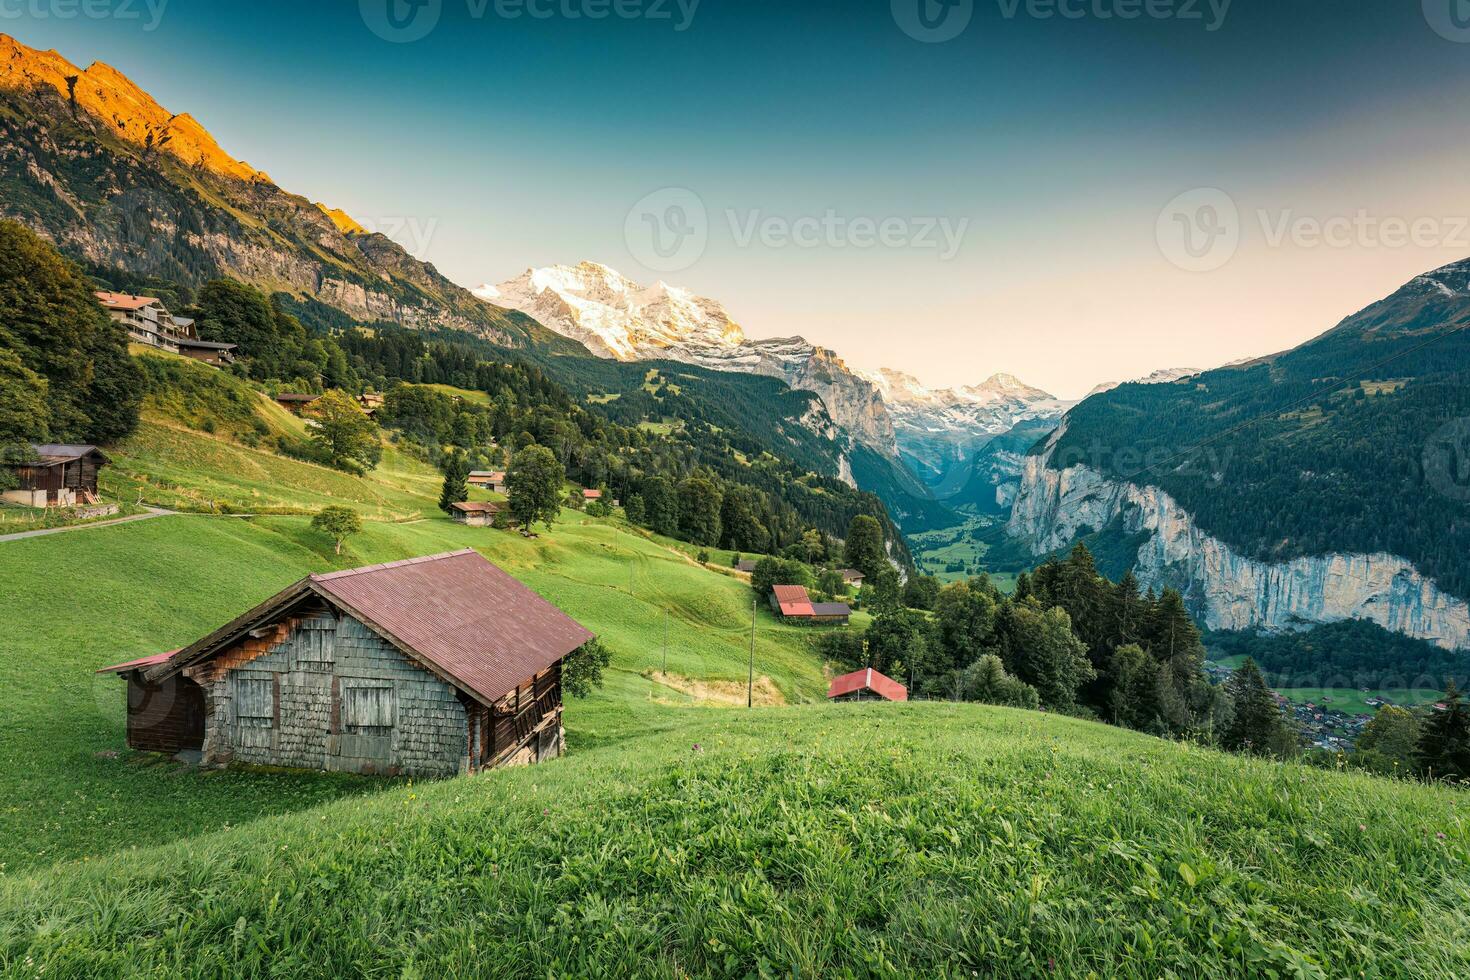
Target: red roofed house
x=866 y=685
x=591 y=494
x=429 y=667
x=792 y=602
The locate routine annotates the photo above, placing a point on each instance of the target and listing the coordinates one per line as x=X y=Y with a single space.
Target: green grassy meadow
x=852 y=840
x=79 y=601
x=681 y=836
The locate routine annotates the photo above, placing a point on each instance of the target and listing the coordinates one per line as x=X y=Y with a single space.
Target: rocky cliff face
x=1228 y=591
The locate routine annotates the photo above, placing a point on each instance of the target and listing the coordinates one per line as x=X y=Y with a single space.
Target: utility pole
x=666 y=641
x=750 y=684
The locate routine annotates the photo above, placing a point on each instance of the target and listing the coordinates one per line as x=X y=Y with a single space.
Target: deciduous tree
x=534 y=486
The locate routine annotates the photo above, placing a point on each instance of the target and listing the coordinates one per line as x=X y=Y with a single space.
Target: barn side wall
x=286 y=698
x=163 y=717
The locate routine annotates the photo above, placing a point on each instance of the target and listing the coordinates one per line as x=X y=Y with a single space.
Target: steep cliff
x=1227 y=590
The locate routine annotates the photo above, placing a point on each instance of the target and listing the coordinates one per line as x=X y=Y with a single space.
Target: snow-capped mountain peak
x=616 y=317
x=1162 y=376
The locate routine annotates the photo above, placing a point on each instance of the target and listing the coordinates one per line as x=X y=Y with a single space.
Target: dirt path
x=152 y=513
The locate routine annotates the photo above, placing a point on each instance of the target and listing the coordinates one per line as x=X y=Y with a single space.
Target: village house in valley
x=148 y=321
x=427 y=667
x=57 y=476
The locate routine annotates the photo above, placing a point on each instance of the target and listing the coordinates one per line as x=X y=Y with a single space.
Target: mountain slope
x=92 y=162
x=623 y=320
x=1324 y=483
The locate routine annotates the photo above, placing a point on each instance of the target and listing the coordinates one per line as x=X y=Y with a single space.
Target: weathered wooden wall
x=326 y=693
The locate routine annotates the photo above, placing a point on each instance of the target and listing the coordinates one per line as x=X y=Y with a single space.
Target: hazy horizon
x=1028 y=168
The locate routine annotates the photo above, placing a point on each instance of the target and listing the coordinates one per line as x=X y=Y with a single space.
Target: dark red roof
x=793 y=600
x=138 y=664
x=457 y=614
x=868 y=679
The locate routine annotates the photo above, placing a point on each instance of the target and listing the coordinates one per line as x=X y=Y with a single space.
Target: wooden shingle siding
x=328 y=693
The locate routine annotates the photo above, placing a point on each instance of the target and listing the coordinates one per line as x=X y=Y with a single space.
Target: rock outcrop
x=1226 y=590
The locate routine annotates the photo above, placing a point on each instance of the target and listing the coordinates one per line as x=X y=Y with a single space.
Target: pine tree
x=456 y=483
x=1256 y=724
x=1444 y=744
x=1128 y=611
x=1172 y=631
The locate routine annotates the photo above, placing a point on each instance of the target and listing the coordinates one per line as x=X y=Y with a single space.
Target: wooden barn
x=794 y=604
x=427 y=667
x=866 y=685
x=57 y=476
x=477 y=513
x=489 y=479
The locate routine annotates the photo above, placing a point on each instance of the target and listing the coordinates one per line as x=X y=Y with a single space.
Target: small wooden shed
x=476 y=513
x=428 y=667
x=58 y=476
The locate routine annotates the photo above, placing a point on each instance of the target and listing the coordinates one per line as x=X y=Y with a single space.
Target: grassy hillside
x=75 y=602
x=868 y=840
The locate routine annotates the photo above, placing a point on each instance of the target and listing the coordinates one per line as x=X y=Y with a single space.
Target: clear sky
x=1048 y=146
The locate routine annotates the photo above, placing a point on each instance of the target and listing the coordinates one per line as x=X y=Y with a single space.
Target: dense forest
x=1353 y=653
x=1346 y=444
x=629 y=448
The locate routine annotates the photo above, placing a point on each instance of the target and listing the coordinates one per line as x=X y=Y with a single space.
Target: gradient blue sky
x=492 y=144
